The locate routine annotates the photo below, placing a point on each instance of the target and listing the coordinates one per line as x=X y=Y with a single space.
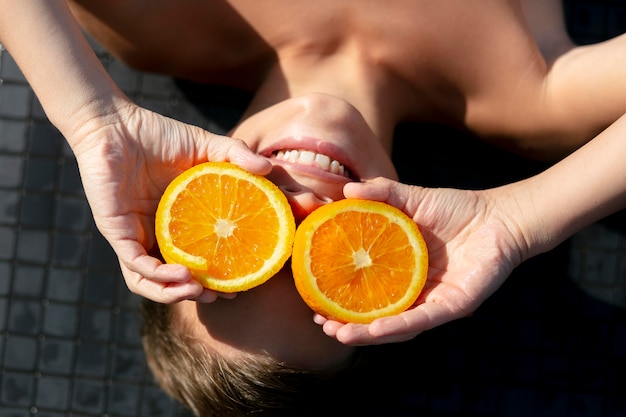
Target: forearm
x=581 y=189
x=56 y=59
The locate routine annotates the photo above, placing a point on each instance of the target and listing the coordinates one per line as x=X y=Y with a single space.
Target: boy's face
x=316 y=143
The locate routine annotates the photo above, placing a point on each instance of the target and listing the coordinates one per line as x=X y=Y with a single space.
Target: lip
x=318 y=146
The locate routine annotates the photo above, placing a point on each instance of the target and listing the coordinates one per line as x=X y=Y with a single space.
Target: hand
x=473 y=247
x=126 y=160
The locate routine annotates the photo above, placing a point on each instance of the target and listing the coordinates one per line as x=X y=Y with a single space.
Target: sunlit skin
x=273 y=317
x=416 y=60
x=337 y=83
x=333 y=78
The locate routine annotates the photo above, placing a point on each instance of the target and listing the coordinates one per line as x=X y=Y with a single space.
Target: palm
x=470 y=255
x=125 y=167
x=124 y=179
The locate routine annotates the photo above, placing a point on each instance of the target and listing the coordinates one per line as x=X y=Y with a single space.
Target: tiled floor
x=551 y=342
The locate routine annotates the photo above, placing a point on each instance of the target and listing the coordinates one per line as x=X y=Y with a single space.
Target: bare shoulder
x=198 y=40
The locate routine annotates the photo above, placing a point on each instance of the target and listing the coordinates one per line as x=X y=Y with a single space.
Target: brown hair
x=212 y=385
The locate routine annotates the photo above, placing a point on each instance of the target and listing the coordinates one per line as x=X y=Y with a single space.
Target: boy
x=336 y=82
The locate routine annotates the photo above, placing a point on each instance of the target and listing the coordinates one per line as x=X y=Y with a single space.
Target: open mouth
x=307 y=157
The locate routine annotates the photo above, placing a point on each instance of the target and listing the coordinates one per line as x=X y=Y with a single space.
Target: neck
x=364 y=86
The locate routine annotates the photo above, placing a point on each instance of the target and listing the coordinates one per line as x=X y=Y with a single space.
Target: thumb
x=224 y=148
x=402 y=196
x=378 y=189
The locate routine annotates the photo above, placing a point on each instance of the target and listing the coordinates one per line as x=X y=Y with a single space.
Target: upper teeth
x=311 y=158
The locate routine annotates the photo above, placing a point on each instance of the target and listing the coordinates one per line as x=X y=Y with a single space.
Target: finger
x=161 y=292
x=133 y=256
x=206 y=296
x=376 y=189
x=381 y=189
x=222 y=148
x=209 y=296
x=359 y=335
x=227 y=295
x=319 y=319
x=330 y=327
x=423 y=317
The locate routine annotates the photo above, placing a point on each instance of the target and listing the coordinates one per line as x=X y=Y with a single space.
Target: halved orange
x=234 y=230
x=358 y=260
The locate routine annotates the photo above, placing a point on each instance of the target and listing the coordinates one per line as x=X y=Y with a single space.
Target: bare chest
x=448 y=52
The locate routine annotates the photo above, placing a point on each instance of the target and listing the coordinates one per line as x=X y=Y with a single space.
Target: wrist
x=520 y=210
x=77 y=122
x=538 y=214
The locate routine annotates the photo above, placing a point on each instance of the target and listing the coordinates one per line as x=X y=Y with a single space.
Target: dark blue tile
x=125 y=77
x=33 y=246
x=590 y=373
x=6 y=277
x=593 y=339
x=11 y=168
x=24 y=317
x=129 y=364
x=37 y=112
x=126 y=298
x=68 y=249
x=88 y=397
x=618 y=347
x=615 y=376
x=588 y=19
x=101 y=255
x=549 y=403
x=516 y=402
x=44 y=139
x=528 y=332
x=29 y=281
x=14 y=412
x=64 y=285
x=95 y=324
x=68 y=154
x=616 y=19
x=47 y=413
x=99 y=289
x=15 y=100
x=92 y=360
x=155 y=404
x=447 y=400
x=53 y=393
x=122 y=399
x=12 y=136
x=57 y=357
x=555 y=371
x=20 y=353
x=585 y=405
x=70 y=181
x=600 y=267
x=37 y=210
x=526 y=368
x=7 y=243
x=9 y=71
x=157 y=86
x=127 y=329
x=481 y=400
x=9 y=201
x=40 y=174
x=72 y=214
x=60 y=320
x=4 y=313
x=17 y=389
x=616 y=406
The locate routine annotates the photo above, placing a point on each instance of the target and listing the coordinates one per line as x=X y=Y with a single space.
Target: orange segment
x=357 y=260
x=233 y=229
